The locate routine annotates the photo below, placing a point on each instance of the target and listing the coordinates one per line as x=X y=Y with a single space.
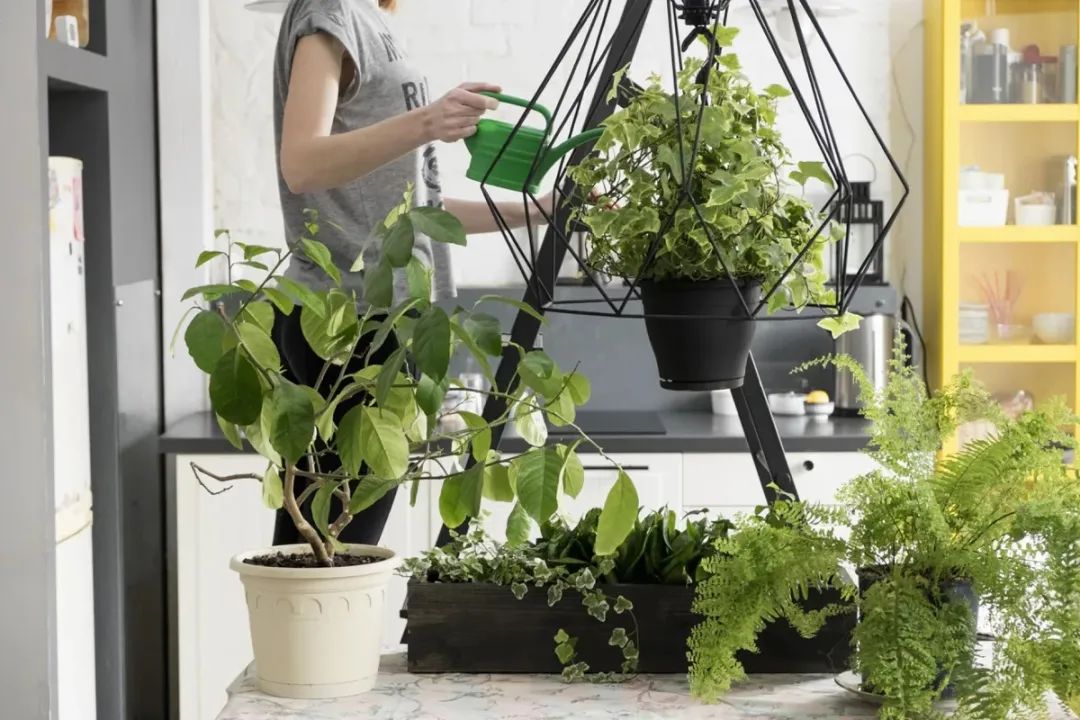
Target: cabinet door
x=657 y=478
x=728 y=482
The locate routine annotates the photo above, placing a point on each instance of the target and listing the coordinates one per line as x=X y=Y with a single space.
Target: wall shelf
x=1015 y=113
x=985 y=354
x=1019 y=234
x=71 y=69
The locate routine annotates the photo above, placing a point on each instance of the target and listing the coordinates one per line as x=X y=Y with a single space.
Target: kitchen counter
x=397 y=695
x=687 y=432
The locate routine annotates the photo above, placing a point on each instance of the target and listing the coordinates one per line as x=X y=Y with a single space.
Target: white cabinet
x=657 y=478
x=727 y=483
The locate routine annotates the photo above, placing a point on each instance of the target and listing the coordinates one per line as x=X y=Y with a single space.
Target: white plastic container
x=316 y=632
x=983 y=208
x=1036 y=215
x=723 y=403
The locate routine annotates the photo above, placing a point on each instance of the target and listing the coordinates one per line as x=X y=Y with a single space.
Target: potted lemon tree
x=316 y=608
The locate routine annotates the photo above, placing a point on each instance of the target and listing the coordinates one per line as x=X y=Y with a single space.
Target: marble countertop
x=687 y=432
x=400 y=695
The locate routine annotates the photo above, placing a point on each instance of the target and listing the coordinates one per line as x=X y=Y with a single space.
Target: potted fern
x=993 y=528
x=356 y=435
x=704 y=234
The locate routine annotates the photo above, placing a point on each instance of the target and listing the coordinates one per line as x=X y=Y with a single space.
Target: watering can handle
x=512 y=100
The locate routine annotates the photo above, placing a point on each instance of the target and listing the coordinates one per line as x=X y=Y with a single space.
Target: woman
x=354 y=128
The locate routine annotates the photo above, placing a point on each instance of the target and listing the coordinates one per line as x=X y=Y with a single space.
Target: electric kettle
x=505 y=157
x=872 y=347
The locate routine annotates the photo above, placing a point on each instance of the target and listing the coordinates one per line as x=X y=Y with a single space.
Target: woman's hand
x=454 y=116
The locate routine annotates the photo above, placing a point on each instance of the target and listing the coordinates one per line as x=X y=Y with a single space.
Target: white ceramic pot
x=316 y=633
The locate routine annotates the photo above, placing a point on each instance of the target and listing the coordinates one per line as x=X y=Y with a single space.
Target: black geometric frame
x=590 y=50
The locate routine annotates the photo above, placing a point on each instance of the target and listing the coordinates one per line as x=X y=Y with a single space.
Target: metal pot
x=871 y=346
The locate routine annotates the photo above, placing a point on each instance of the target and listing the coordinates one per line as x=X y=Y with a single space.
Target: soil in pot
x=700 y=332
x=307 y=560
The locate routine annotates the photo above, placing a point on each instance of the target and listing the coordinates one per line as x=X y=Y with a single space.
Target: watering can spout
x=554 y=154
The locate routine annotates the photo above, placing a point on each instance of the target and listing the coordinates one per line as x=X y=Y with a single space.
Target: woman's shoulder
x=344 y=12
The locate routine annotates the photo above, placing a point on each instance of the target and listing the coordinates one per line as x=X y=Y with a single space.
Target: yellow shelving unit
x=1026 y=143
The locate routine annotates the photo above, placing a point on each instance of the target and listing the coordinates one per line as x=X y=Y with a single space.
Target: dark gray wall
x=27 y=561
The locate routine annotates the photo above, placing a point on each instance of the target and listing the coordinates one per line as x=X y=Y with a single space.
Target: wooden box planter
x=483 y=628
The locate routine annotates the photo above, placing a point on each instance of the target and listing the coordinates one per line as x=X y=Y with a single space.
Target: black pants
x=302 y=366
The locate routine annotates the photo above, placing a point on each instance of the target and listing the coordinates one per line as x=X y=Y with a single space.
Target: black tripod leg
x=758 y=424
x=552 y=252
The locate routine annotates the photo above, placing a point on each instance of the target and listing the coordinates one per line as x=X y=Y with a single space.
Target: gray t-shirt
x=386 y=84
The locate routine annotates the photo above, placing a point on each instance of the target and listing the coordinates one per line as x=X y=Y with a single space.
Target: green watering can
x=511 y=169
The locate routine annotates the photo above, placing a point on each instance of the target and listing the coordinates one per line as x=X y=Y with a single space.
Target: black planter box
x=482 y=628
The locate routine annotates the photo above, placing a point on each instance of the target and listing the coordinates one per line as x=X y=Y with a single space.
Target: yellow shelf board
x=1019 y=113
x=1019 y=234
x=982 y=354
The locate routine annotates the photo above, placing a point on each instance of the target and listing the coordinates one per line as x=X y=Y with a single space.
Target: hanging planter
x=700 y=332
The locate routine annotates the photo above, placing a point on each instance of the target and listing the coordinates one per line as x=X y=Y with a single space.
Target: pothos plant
x=746 y=218
x=391 y=434
x=565 y=559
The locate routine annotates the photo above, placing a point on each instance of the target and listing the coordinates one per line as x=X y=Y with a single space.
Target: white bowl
x=1055 y=328
x=723 y=403
x=788 y=403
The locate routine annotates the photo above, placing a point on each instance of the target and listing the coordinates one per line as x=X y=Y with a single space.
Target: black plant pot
x=700 y=332
x=949 y=591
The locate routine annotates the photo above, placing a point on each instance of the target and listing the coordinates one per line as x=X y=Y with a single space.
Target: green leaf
x=379 y=285
x=370 y=491
x=539 y=373
x=302 y=295
x=561 y=411
x=319 y=254
x=530 y=424
x=358 y=264
x=246 y=285
x=207 y=255
x=461 y=496
x=537 y=474
x=524 y=307
x=212 y=292
x=389 y=376
x=431 y=343
x=430 y=394
x=253 y=251
x=273 y=494
x=320 y=507
x=840 y=324
x=497 y=479
x=258 y=435
x=618 y=516
x=350 y=446
x=338 y=311
x=230 y=431
x=518 y=527
x=418 y=279
x=573 y=472
x=292 y=421
x=579 y=387
x=397 y=246
x=817 y=171
x=439 y=225
x=235 y=391
x=777 y=91
x=204 y=337
x=281 y=301
x=261 y=313
x=467 y=340
x=486 y=331
x=259 y=346
x=386 y=450
x=481 y=439
x=725 y=36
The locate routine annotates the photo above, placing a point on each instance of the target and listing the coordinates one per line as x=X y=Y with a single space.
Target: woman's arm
x=313 y=159
x=477 y=217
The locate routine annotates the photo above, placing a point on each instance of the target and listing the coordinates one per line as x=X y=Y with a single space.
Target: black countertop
x=687 y=432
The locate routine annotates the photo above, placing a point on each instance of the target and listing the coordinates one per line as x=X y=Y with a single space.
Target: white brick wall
x=512 y=42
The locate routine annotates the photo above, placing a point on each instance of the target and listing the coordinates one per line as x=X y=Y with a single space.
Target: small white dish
x=788 y=404
x=820 y=409
x=1054 y=328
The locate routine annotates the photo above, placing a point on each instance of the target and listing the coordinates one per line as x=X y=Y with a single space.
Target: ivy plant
x=658 y=550
x=643 y=173
x=394 y=432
